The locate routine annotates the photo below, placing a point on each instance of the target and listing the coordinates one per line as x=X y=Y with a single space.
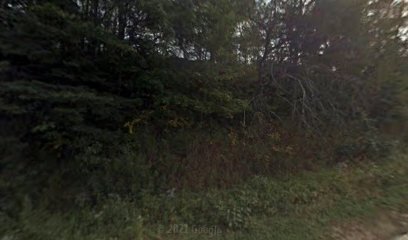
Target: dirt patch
x=384 y=226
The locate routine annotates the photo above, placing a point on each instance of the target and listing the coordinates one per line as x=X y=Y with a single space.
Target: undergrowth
x=293 y=207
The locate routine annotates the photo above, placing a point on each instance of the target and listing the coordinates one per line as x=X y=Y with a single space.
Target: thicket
x=102 y=98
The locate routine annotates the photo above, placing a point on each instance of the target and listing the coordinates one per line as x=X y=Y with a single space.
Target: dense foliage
x=102 y=97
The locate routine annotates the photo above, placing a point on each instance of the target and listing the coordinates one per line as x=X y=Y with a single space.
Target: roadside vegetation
x=305 y=206
x=181 y=119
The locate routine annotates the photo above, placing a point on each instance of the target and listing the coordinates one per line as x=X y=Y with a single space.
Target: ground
x=384 y=226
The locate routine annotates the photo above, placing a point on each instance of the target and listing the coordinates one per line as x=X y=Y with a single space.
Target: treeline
x=101 y=97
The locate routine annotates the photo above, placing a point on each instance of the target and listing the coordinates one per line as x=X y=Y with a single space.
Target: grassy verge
x=295 y=207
